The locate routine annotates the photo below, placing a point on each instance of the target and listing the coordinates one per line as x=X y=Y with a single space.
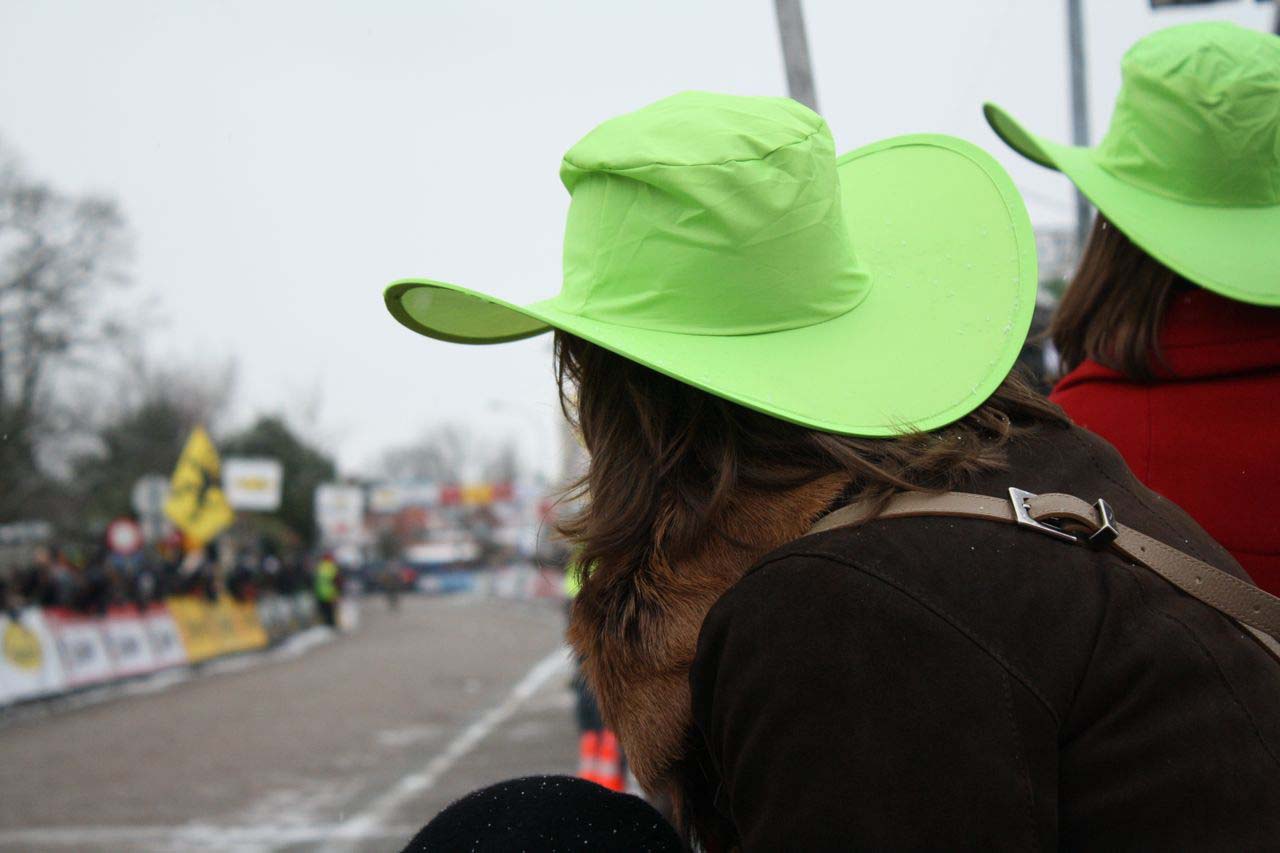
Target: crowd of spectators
x=58 y=578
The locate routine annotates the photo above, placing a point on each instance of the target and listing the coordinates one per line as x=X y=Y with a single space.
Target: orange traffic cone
x=589 y=756
x=609 y=769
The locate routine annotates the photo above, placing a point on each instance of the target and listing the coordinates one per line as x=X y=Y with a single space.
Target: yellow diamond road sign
x=196 y=503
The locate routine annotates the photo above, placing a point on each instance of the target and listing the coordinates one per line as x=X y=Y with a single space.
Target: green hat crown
x=1198 y=116
x=708 y=214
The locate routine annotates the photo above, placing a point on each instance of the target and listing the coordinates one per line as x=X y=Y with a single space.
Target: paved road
x=349 y=745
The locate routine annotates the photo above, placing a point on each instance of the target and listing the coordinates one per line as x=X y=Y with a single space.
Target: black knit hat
x=546 y=813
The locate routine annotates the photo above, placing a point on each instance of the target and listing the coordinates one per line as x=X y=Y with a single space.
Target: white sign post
x=340 y=513
x=252 y=484
x=149 y=496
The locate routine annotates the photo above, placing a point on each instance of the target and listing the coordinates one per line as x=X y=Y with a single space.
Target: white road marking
x=369 y=821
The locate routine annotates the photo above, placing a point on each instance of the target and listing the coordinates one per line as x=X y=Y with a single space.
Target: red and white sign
x=124 y=537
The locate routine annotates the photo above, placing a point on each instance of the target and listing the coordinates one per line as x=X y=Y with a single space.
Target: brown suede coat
x=928 y=683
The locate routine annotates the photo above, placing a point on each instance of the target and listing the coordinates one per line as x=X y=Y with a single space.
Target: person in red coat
x=1186 y=384
x=1169 y=332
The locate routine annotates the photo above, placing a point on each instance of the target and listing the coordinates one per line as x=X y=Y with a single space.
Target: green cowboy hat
x=1190 y=168
x=712 y=238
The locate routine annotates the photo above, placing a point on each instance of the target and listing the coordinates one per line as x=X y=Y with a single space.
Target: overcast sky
x=281 y=160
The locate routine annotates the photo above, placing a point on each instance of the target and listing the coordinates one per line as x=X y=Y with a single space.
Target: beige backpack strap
x=1094 y=525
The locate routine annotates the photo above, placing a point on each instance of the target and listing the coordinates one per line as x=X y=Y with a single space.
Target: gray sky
x=281 y=161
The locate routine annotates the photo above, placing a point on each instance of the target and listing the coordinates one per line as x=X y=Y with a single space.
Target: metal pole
x=1079 y=107
x=1275 y=28
x=3 y=389
x=795 y=53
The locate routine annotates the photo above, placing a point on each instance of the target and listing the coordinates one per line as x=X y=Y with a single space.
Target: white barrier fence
x=29 y=667
x=44 y=652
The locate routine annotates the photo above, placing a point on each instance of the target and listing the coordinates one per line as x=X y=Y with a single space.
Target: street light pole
x=1079 y=107
x=795 y=53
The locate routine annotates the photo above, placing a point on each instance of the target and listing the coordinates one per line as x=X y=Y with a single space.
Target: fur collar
x=636 y=635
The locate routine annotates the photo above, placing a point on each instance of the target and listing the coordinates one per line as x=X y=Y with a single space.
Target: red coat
x=1207 y=436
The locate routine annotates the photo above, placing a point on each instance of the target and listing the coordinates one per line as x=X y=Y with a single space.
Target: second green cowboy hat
x=1190 y=167
x=718 y=240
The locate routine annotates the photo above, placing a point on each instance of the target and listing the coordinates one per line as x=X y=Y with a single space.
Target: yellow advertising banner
x=196 y=503
x=211 y=629
x=245 y=628
x=21 y=647
x=201 y=636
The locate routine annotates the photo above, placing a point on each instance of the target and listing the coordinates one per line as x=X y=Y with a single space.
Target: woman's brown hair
x=1113 y=310
x=661 y=448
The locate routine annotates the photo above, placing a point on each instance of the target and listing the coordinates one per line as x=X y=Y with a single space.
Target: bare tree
x=200 y=392
x=501 y=464
x=441 y=454
x=59 y=254
x=451 y=453
x=139 y=430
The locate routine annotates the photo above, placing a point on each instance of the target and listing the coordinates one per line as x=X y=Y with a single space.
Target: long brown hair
x=1113 y=310
x=657 y=445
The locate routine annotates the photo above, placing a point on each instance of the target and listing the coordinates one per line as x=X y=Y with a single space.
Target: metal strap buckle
x=1102 y=536
x=1022 y=512
x=1106 y=532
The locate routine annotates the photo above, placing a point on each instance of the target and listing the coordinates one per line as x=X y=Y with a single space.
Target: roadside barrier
x=45 y=652
x=82 y=645
x=213 y=629
x=30 y=666
x=166 y=641
x=129 y=648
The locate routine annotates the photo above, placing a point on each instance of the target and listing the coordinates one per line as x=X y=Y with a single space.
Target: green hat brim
x=1233 y=251
x=951 y=256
